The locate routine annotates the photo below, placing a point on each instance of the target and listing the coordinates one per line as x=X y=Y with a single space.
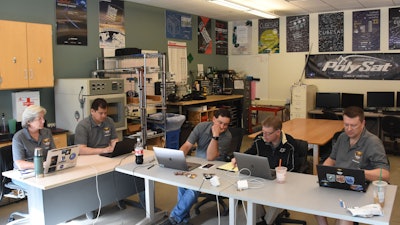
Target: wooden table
x=265 y=108
x=316 y=132
x=210 y=98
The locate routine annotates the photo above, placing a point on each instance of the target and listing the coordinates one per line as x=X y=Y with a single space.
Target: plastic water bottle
x=38 y=162
x=3 y=124
x=139 y=151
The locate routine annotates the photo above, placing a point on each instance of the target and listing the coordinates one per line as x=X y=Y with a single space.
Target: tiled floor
x=166 y=198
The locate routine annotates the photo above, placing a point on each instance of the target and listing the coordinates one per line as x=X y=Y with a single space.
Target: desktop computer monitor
x=380 y=99
x=327 y=100
x=350 y=99
x=398 y=99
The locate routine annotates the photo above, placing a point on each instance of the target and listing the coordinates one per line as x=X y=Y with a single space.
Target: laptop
x=127 y=145
x=173 y=159
x=342 y=178
x=254 y=165
x=61 y=158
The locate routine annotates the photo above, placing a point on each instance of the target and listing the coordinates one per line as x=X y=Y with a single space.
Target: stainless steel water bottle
x=38 y=161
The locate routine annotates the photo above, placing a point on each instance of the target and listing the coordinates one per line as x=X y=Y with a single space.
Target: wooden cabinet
x=26 y=56
x=196 y=117
x=60 y=140
x=303 y=100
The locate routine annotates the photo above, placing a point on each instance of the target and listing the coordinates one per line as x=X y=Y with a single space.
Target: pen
x=150 y=167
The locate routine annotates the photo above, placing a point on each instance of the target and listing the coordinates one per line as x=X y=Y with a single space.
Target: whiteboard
x=255 y=66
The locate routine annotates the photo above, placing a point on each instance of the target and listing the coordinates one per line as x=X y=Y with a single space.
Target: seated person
x=33 y=134
x=96 y=133
x=212 y=139
x=357 y=148
x=277 y=146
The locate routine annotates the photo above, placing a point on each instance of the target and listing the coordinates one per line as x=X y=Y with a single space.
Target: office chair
x=329 y=115
x=391 y=128
x=7 y=186
x=300 y=166
x=237 y=136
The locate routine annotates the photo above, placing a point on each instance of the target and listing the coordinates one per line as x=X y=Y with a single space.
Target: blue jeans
x=186 y=199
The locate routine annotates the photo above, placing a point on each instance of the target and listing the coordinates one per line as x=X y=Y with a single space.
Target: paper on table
x=228 y=167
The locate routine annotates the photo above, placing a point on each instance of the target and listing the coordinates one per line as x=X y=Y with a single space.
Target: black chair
x=8 y=188
x=237 y=137
x=329 y=115
x=300 y=166
x=390 y=126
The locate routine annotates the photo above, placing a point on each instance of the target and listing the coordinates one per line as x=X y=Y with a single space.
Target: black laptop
x=342 y=178
x=125 y=146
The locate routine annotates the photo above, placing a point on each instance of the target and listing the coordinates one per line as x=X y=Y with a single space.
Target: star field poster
x=268 y=36
x=71 y=22
x=203 y=35
x=221 y=37
x=366 y=30
x=394 y=28
x=331 y=32
x=178 y=25
x=298 y=33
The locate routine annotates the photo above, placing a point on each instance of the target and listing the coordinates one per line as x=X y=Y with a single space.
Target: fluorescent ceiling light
x=263 y=14
x=244 y=9
x=230 y=5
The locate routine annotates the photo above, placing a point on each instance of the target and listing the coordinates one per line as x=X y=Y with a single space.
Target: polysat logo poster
x=354 y=66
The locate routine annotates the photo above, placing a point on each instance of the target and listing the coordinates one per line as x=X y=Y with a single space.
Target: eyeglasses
x=269 y=133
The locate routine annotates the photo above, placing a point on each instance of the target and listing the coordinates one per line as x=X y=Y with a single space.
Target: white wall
x=285 y=69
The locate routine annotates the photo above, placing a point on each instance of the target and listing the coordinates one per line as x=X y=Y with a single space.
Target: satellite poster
x=298 y=33
x=221 y=37
x=71 y=19
x=366 y=30
x=331 y=32
x=203 y=35
x=178 y=25
x=111 y=26
x=268 y=36
x=394 y=28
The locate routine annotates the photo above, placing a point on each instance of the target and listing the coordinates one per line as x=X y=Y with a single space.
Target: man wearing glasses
x=277 y=146
x=357 y=148
x=213 y=139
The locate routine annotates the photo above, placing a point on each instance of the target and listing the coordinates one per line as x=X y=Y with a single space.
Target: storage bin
x=174 y=121
x=173 y=139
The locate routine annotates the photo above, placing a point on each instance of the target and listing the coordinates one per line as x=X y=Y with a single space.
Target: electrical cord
x=98 y=194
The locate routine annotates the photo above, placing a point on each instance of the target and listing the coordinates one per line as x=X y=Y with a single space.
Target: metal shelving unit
x=138 y=66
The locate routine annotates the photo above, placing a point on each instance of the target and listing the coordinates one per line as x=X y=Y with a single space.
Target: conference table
x=300 y=192
x=69 y=193
x=316 y=132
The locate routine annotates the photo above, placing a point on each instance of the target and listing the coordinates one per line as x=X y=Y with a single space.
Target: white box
x=23 y=99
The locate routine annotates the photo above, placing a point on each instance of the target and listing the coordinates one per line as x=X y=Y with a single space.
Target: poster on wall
x=71 y=19
x=331 y=32
x=394 y=28
x=221 y=37
x=241 y=37
x=366 y=30
x=374 y=66
x=178 y=25
x=268 y=36
x=203 y=35
x=111 y=24
x=297 y=33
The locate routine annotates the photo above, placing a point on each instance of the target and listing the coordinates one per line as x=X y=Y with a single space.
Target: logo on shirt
x=107 y=131
x=46 y=143
x=357 y=157
x=282 y=150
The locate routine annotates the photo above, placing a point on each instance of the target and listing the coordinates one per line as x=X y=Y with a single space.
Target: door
x=13 y=59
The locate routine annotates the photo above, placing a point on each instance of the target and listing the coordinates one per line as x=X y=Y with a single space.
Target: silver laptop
x=173 y=159
x=61 y=158
x=254 y=165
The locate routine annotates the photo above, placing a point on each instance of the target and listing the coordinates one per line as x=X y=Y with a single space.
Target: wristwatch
x=215 y=138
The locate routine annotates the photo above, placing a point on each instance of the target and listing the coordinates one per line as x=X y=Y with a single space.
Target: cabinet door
x=40 y=55
x=13 y=61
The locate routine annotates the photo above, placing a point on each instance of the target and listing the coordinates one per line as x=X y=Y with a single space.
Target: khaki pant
x=268 y=213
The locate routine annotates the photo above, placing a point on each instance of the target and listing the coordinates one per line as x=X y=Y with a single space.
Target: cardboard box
x=23 y=99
